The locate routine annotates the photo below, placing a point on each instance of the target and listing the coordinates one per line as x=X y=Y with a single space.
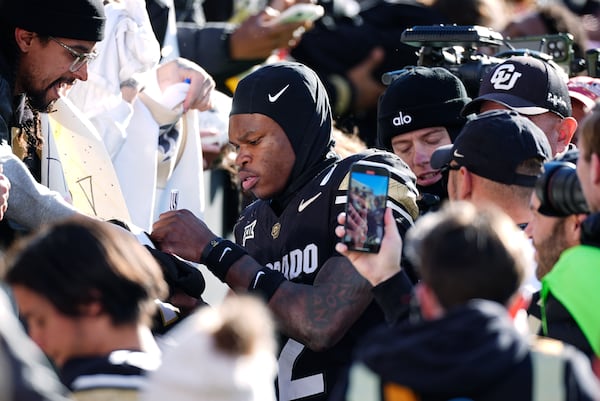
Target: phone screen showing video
x=365 y=207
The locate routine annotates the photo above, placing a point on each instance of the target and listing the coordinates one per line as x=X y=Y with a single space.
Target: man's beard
x=38 y=99
x=551 y=249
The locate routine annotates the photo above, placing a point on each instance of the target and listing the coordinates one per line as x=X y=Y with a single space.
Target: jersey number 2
x=298 y=388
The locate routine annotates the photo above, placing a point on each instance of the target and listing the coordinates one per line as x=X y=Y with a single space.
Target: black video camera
x=559 y=189
x=470 y=51
x=455 y=48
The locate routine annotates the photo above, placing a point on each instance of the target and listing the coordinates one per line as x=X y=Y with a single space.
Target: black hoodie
x=472 y=353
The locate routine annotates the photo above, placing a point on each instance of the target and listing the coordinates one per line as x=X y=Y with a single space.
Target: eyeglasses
x=80 y=58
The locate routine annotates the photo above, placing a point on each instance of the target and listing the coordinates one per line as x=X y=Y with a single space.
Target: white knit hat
x=223 y=353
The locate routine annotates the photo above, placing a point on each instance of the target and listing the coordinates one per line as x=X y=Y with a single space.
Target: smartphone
x=299 y=13
x=365 y=206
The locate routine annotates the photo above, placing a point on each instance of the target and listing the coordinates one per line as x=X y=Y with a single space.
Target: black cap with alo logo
x=421 y=97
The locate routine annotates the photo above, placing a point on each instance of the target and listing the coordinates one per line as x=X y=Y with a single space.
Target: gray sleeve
x=30 y=204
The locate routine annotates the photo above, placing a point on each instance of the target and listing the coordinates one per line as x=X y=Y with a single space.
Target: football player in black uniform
x=280 y=124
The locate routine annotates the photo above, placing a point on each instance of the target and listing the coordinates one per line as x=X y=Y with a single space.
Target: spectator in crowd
x=86 y=291
x=552 y=228
x=549 y=19
x=488 y=13
x=26 y=373
x=471 y=261
x=534 y=89
x=280 y=125
x=372 y=29
x=26 y=74
x=555 y=226
x=25 y=69
x=233 y=44
x=589 y=13
x=419 y=112
x=584 y=91
x=589 y=150
x=222 y=353
x=496 y=160
x=69 y=39
x=517 y=7
x=571 y=284
x=137 y=106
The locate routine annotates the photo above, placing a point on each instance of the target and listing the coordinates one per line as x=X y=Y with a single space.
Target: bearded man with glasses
x=45 y=48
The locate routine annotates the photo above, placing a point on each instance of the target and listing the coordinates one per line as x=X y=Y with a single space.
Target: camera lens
x=559 y=190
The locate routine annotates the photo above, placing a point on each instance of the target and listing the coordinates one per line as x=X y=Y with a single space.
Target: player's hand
x=180 y=233
x=375 y=267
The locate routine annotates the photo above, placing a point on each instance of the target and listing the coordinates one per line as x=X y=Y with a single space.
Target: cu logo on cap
x=401 y=119
x=505 y=77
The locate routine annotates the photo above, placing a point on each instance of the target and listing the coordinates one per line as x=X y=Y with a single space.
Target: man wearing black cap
x=419 y=112
x=465 y=346
x=496 y=159
x=53 y=42
x=44 y=48
x=31 y=64
x=280 y=124
x=534 y=89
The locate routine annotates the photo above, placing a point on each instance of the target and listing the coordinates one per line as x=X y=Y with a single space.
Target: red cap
x=585 y=89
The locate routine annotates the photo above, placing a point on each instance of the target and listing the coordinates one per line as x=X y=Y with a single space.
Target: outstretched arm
x=392 y=288
x=317 y=315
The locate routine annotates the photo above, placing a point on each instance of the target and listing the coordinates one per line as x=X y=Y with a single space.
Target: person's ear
x=465 y=184
x=91 y=309
x=428 y=302
x=566 y=130
x=595 y=168
x=24 y=39
x=575 y=227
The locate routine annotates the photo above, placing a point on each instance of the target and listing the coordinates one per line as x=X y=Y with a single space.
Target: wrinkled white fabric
x=130 y=131
x=128 y=49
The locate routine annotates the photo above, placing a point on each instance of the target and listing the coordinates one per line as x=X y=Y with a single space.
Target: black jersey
x=122 y=374
x=299 y=241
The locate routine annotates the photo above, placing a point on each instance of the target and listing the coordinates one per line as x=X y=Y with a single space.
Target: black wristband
x=265 y=282
x=219 y=255
x=209 y=247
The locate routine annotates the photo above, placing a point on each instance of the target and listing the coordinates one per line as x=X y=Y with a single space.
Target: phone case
x=365 y=207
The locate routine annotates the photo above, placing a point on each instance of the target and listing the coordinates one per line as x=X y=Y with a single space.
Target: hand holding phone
x=365 y=207
x=298 y=13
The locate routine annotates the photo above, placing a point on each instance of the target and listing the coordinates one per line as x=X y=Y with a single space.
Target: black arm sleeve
x=393 y=296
